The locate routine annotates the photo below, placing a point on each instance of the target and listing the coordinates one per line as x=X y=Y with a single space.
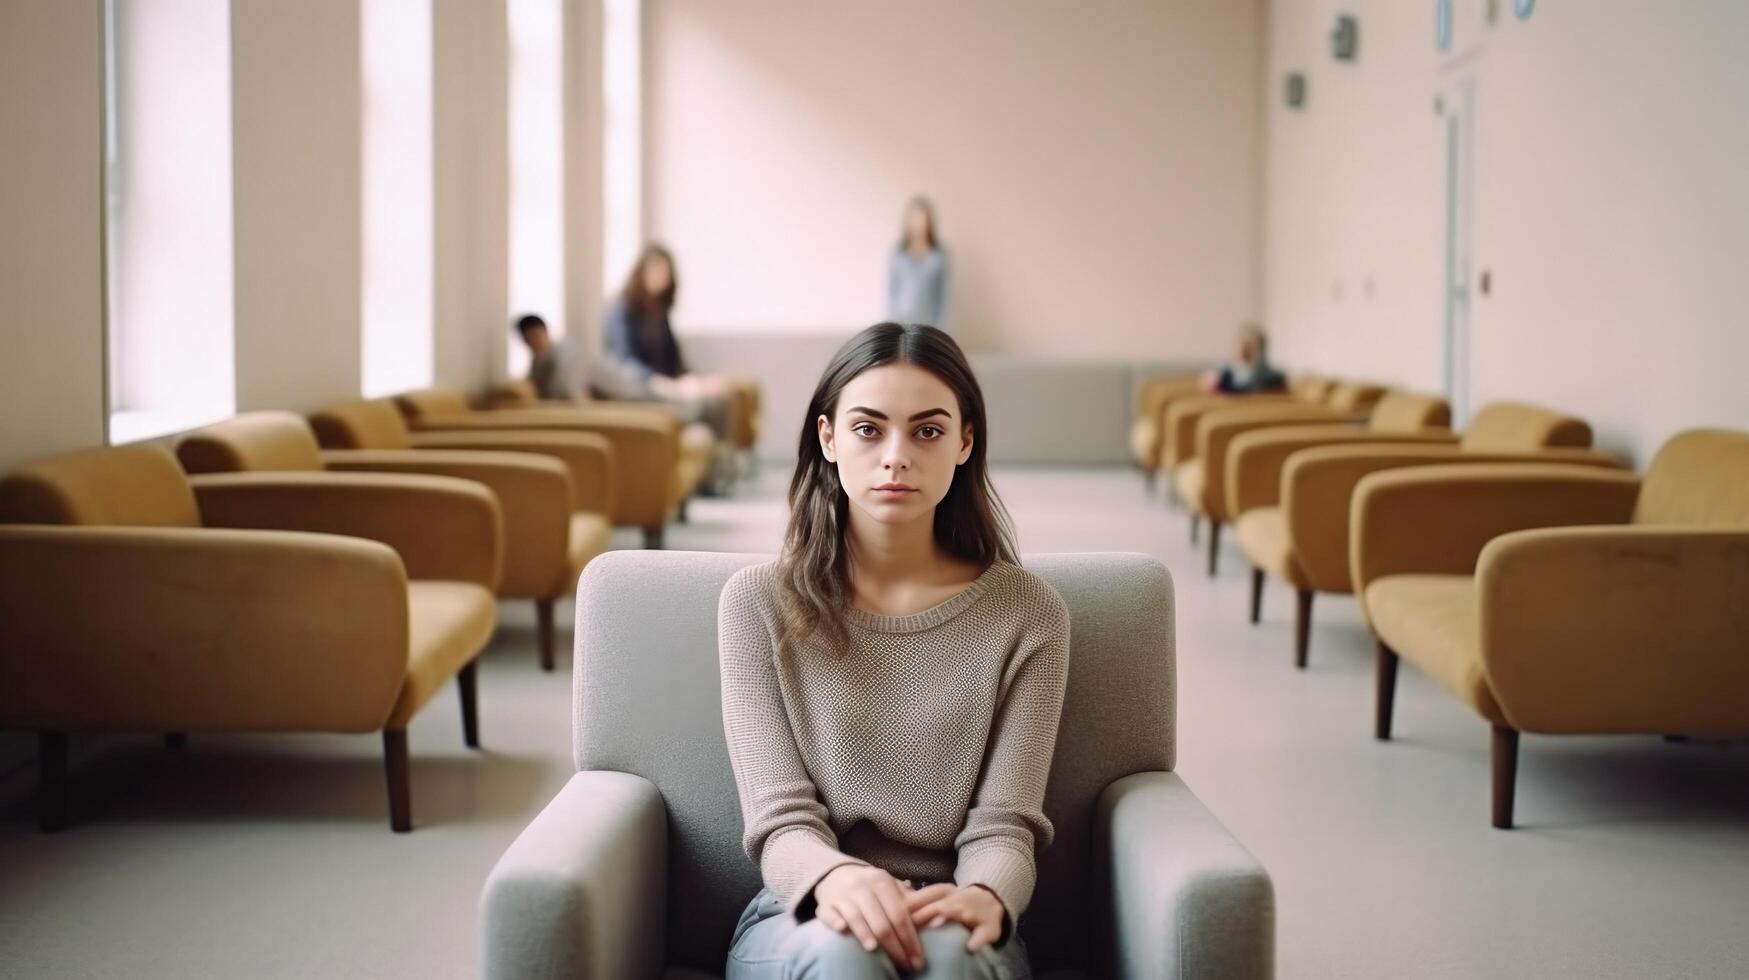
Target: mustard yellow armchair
x=547 y=542
x=223 y=612
x=1565 y=600
x=1303 y=540
x=657 y=462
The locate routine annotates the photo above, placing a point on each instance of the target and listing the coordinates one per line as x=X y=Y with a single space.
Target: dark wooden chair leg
x=1505 y=766
x=469 y=689
x=543 y=612
x=653 y=538
x=1384 y=691
x=1149 y=478
x=1195 y=525
x=1214 y=545
x=51 y=754
x=1302 y=627
x=1256 y=595
x=176 y=740
x=400 y=795
x=681 y=514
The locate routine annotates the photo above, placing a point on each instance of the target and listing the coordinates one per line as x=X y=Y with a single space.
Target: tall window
x=622 y=138
x=537 y=163
x=167 y=180
x=397 y=303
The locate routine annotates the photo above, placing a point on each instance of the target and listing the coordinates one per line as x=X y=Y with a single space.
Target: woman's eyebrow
x=934 y=411
x=871 y=413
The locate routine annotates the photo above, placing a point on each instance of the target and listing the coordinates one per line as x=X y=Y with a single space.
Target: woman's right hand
x=869 y=904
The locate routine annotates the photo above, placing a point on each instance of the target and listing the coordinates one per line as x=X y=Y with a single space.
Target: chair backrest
x=133 y=486
x=431 y=403
x=515 y=393
x=1309 y=387
x=375 y=424
x=1507 y=427
x=266 y=441
x=1349 y=396
x=647 y=701
x=1401 y=411
x=1700 y=477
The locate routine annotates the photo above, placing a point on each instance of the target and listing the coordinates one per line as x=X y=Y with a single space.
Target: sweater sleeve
x=785 y=828
x=1006 y=824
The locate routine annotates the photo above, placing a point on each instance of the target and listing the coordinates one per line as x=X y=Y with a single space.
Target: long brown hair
x=813 y=574
x=640 y=302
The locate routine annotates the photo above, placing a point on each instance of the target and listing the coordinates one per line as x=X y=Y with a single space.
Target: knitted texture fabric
x=922 y=750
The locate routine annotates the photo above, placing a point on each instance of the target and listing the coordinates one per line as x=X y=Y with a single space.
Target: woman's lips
x=893 y=490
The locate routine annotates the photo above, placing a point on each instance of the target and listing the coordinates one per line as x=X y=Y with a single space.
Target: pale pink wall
x=1096 y=167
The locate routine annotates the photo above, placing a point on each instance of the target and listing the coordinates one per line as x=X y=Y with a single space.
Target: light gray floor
x=271 y=857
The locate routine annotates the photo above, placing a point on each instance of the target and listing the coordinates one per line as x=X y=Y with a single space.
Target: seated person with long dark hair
x=891 y=688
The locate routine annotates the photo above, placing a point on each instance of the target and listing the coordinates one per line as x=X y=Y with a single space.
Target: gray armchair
x=635 y=870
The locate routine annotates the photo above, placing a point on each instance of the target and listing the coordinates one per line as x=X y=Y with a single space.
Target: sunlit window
x=167 y=179
x=397 y=300
x=537 y=164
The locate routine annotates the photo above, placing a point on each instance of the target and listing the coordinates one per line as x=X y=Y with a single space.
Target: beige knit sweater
x=922 y=751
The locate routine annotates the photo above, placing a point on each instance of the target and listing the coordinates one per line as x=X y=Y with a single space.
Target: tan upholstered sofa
x=1303 y=539
x=547 y=540
x=1201 y=477
x=1566 y=600
x=136 y=599
x=657 y=461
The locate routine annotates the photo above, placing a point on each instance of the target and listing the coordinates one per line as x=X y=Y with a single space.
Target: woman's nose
x=894 y=456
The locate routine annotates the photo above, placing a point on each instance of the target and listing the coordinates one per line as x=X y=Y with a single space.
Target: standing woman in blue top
x=917 y=284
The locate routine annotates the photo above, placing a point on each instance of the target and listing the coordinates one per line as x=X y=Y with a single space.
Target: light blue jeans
x=770 y=944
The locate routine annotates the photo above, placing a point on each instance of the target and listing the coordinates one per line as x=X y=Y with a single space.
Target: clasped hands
x=881 y=911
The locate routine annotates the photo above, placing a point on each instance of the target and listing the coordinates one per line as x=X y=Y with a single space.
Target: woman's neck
x=899 y=568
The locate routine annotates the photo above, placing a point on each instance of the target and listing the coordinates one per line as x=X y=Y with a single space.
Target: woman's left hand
x=974 y=906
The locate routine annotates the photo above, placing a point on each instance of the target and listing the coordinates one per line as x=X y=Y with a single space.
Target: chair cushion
x=1699 y=478
x=1264 y=537
x=431 y=402
x=128 y=486
x=1190 y=479
x=450 y=623
x=1432 y=622
x=1503 y=427
x=590 y=534
x=1145 y=441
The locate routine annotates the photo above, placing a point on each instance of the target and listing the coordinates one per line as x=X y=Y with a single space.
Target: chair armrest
x=1217 y=429
x=587 y=456
x=1623 y=630
x=1435 y=520
x=534 y=500
x=1317 y=489
x=582 y=892
x=1187 y=899
x=1255 y=459
x=404 y=512
x=198 y=630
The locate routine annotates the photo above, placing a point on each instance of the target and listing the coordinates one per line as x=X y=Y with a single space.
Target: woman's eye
x=929 y=432
x=865 y=430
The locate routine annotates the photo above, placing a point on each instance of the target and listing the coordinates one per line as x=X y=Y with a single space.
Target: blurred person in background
x=641 y=346
x=1251 y=372
x=917 y=280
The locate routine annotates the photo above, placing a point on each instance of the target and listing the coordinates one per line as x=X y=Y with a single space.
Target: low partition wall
x=1044 y=412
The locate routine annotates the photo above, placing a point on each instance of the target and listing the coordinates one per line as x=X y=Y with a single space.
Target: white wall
x=1609 y=199
x=51 y=238
x=1095 y=167
x=299 y=239
x=470 y=220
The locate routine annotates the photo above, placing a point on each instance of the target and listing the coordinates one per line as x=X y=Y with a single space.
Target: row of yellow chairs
x=1537 y=580
x=329 y=574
